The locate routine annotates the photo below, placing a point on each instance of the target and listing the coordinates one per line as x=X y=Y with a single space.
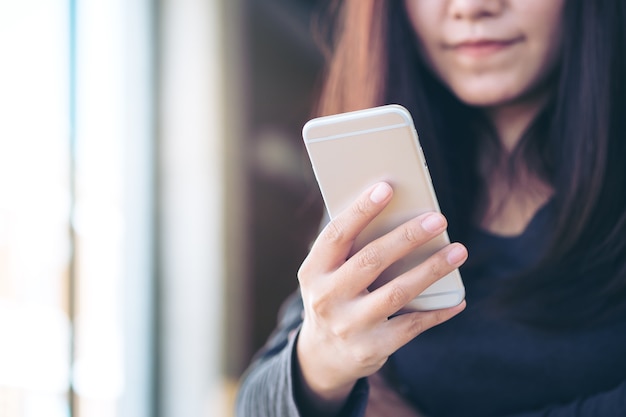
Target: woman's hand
x=346 y=333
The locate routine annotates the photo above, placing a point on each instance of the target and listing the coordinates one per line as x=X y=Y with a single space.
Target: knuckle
x=410 y=235
x=333 y=232
x=303 y=272
x=415 y=326
x=434 y=268
x=360 y=208
x=441 y=316
x=365 y=356
x=341 y=330
x=397 y=296
x=320 y=306
x=369 y=258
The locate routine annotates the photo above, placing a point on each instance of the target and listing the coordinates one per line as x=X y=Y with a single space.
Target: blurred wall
x=282 y=69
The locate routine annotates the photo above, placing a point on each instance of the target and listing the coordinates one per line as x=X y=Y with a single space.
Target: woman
x=520 y=109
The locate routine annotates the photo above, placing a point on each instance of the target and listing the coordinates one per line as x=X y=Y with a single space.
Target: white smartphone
x=350 y=152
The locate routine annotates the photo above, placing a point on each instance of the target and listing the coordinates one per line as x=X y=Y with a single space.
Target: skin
x=496 y=55
x=493 y=54
x=346 y=333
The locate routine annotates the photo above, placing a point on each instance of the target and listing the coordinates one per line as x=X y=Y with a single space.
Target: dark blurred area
x=284 y=72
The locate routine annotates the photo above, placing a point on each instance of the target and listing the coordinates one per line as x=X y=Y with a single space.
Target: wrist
x=317 y=391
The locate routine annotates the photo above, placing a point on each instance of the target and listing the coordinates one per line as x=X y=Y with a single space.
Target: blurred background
x=155 y=199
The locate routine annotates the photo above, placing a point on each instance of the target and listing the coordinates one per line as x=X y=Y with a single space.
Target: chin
x=492 y=90
x=487 y=97
x=486 y=100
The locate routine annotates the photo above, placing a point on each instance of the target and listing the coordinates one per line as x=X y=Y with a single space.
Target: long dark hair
x=577 y=144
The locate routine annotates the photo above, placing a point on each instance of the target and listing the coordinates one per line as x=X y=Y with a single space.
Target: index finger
x=332 y=247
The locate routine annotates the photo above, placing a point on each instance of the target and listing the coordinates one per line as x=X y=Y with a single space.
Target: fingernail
x=456 y=255
x=380 y=193
x=433 y=222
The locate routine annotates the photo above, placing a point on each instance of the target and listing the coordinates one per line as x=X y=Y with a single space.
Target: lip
x=482 y=47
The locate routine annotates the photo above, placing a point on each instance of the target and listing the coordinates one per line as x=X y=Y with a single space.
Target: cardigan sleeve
x=266 y=388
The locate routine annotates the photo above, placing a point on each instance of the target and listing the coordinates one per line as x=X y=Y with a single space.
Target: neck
x=511 y=202
x=511 y=120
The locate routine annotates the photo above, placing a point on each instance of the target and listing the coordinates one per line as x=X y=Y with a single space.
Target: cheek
x=424 y=17
x=543 y=22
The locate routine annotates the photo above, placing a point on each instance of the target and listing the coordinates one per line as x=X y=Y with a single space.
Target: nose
x=475 y=9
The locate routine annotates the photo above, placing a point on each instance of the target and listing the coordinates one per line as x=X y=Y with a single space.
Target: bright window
x=34 y=207
x=75 y=208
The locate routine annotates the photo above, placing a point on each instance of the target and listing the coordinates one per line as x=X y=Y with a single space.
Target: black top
x=484 y=362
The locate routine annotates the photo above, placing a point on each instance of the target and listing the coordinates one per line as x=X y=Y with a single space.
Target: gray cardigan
x=267 y=387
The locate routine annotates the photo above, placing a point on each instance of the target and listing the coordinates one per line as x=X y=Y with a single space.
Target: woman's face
x=489 y=52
